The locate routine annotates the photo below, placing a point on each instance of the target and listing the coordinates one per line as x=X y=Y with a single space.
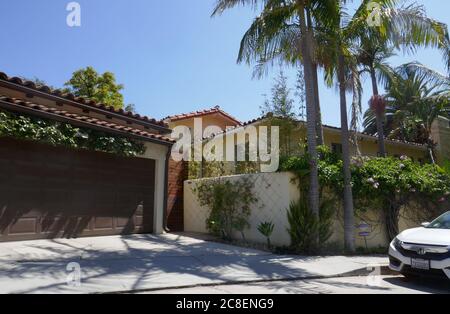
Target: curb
x=384 y=271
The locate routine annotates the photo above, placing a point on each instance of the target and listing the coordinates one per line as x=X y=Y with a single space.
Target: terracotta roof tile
x=85 y=119
x=201 y=113
x=81 y=100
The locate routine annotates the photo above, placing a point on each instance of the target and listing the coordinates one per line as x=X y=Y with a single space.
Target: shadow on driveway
x=128 y=263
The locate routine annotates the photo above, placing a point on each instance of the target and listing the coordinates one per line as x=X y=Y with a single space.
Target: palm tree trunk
x=380 y=116
x=319 y=128
x=311 y=113
x=349 y=219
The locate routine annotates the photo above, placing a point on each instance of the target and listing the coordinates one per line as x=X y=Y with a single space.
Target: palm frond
x=223 y=5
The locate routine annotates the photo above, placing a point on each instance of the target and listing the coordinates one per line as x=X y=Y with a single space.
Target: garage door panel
x=50 y=192
x=101 y=223
x=122 y=222
x=24 y=226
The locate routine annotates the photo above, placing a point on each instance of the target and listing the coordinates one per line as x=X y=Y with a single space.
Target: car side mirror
x=425 y=224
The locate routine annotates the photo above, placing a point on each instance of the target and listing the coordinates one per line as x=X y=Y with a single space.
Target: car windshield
x=442 y=222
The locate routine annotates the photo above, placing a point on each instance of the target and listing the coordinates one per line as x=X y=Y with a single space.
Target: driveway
x=150 y=262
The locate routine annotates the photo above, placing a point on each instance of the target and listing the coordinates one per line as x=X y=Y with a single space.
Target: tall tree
x=283 y=31
x=347 y=33
x=343 y=69
x=101 y=88
x=416 y=96
x=280 y=111
x=399 y=27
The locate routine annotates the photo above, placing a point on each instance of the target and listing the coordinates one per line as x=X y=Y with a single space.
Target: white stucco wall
x=275 y=192
x=158 y=153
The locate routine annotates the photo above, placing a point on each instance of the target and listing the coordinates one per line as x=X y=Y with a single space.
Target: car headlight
x=398 y=244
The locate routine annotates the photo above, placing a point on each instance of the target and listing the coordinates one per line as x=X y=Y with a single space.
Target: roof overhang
x=47 y=93
x=20 y=106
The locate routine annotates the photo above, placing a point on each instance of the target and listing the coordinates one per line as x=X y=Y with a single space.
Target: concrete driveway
x=149 y=262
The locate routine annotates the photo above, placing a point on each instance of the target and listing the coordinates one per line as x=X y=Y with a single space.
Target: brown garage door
x=49 y=192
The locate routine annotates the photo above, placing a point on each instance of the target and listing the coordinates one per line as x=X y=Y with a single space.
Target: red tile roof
x=81 y=100
x=15 y=103
x=197 y=114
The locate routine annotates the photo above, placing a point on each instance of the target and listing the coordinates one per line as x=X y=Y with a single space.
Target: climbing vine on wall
x=230 y=205
x=386 y=184
x=63 y=134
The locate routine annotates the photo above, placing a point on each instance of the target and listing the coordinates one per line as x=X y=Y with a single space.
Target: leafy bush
x=387 y=184
x=446 y=167
x=63 y=134
x=329 y=166
x=230 y=205
x=393 y=183
x=305 y=229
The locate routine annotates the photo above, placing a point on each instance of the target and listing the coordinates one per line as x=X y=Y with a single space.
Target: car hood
x=426 y=236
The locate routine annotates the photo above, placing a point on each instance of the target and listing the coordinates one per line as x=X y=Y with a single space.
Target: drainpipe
x=166 y=189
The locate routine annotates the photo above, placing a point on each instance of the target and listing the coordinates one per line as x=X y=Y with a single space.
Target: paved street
x=141 y=262
x=162 y=264
x=349 y=285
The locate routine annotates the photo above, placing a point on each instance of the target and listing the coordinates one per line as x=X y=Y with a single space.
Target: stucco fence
x=275 y=192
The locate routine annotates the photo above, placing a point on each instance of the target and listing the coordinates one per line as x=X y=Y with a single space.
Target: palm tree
x=284 y=30
x=343 y=65
x=372 y=56
x=275 y=37
x=407 y=28
x=416 y=96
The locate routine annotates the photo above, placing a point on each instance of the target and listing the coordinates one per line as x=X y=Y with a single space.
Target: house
x=441 y=136
x=367 y=145
x=49 y=191
x=210 y=117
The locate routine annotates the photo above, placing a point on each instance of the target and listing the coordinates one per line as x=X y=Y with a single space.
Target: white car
x=423 y=251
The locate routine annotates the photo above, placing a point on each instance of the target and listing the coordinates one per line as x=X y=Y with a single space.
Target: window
x=336 y=149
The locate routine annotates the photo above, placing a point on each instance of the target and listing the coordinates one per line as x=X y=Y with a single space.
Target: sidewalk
x=148 y=262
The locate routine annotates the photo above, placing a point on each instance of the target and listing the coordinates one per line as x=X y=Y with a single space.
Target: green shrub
x=305 y=229
x=266 y=229
x=230 y=205
x=386 y=184
x=391 y=184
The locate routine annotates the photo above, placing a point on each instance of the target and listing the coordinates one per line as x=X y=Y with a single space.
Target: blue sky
x=170 y=55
